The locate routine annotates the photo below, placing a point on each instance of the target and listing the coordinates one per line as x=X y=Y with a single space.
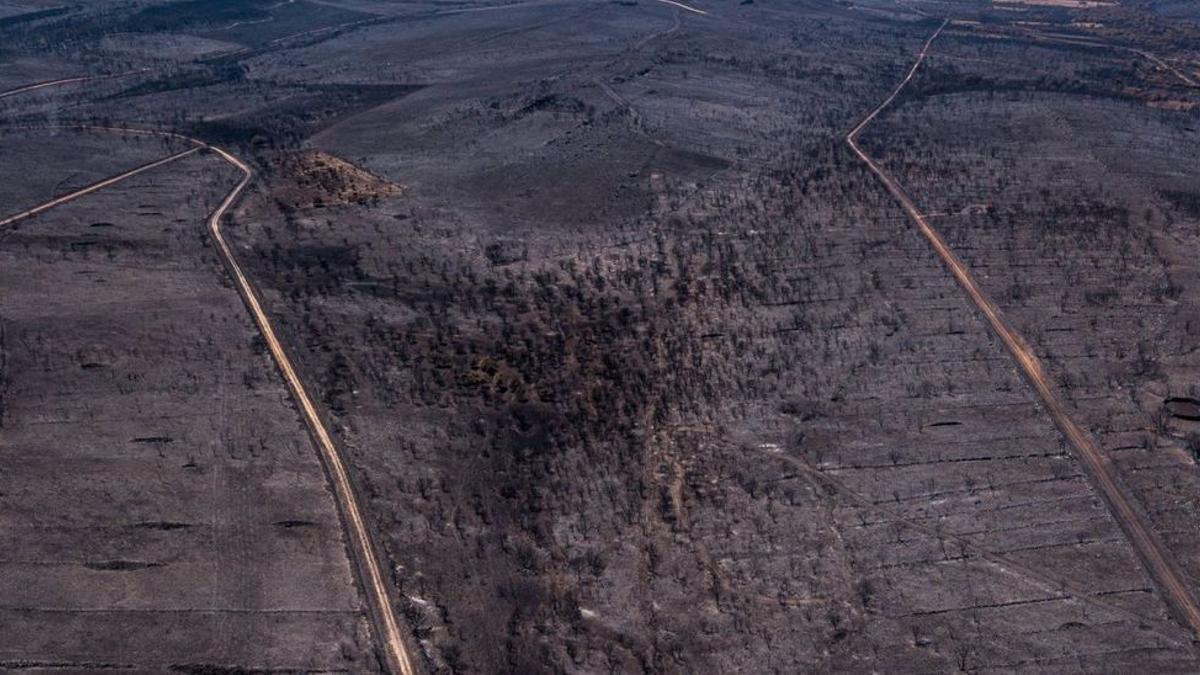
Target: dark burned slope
x=752 y=426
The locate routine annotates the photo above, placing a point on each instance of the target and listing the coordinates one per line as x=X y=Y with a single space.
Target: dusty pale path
x=683 y=6
x=1187 y=79
x=366 y=558
x=43 y=85
x=384 y=615
x=66 y=80
x=99 y=185
x=1154 y=556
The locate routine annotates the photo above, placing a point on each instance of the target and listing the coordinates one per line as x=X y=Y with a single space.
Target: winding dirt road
x=1154 y=556
x=361 y=545
x=387 y=626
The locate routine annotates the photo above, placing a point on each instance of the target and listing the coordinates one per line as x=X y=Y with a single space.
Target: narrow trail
x=1080 y=41
x=676 y=24
x=362 y=548
x=43 y=85
x=683 y=6
x=1157 y=60
x=100 y=185
x=370 y=572
x=66 y=80
x=1155 y=558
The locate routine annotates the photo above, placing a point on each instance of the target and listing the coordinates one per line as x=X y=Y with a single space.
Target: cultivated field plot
x=162 y=506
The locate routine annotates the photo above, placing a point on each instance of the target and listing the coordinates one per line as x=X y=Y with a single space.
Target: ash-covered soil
x=636 y=367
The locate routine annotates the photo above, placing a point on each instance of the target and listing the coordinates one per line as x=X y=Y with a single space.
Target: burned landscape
x=761 y=336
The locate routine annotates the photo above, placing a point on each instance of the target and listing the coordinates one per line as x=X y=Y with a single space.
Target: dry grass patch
x=314 y=179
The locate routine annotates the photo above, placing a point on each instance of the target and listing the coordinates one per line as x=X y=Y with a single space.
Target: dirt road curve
x=370 y=574
x=362 y=548
x=1190 y=81
x=1154 y=556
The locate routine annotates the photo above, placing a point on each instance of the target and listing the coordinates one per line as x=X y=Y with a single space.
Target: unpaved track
x=373 y=583
x=66 y=80
x=683 y=6
x=362 y=548
x=1154 y=556
x=43 y=85
x=1183 y=77
x=100 y=185
x=1082 y=41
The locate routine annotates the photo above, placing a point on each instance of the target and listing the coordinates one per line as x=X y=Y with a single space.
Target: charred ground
x=637 y=367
